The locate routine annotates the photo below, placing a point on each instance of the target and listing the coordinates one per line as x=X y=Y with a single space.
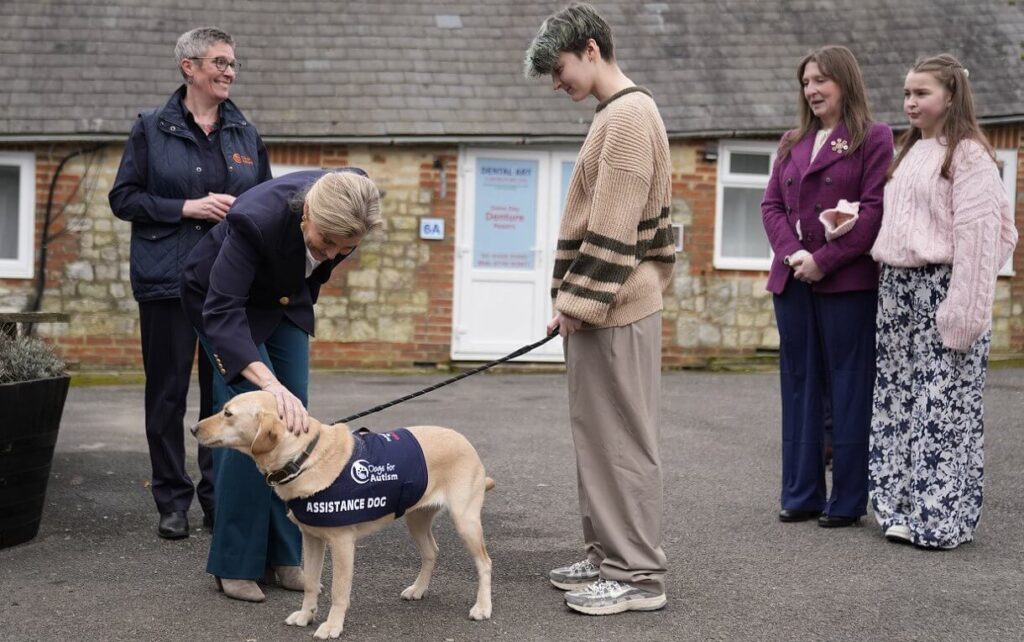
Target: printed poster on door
x=505 y=220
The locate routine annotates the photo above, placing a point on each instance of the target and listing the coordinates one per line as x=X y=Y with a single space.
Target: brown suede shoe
x=290 y=577
x=245 y=590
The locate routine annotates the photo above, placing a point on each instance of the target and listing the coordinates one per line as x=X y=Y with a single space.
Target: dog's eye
x=227 y=413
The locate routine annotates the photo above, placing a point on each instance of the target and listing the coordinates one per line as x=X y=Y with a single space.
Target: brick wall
x=1008 y=310
x=87 y=259
x=391 y=305
x=709 y=312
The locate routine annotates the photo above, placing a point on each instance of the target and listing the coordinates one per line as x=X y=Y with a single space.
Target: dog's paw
x=479 y=612
x=413 y=593
x=299 y=618
x=328 y=630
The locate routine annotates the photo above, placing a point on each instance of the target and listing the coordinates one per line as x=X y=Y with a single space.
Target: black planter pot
x=28 y=433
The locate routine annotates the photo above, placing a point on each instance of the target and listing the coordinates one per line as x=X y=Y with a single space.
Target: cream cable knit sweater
x=966 y=222
x=615 y=247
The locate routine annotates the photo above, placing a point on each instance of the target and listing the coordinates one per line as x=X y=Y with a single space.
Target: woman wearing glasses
x=182 y=167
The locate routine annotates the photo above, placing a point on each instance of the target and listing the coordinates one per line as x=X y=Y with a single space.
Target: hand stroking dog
x=341 y=487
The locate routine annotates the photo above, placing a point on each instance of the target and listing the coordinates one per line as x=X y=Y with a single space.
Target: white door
x=510 y=202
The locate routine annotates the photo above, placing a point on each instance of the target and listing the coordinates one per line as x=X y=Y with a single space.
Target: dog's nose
x=194 y=429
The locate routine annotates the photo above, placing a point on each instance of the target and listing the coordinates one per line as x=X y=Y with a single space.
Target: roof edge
x=985 y=121
x=463 y=139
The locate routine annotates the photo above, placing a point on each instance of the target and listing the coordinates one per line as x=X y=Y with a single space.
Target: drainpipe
x=41 y=279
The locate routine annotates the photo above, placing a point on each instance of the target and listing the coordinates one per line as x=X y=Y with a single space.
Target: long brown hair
x=961 y=120
x=838 y=64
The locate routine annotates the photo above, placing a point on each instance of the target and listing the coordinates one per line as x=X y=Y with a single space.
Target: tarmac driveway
x=97 y=570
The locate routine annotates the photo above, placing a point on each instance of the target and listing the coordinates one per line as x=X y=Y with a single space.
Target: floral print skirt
x=926 y=463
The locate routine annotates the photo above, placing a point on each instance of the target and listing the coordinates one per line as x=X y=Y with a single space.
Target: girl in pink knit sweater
x=947 y=229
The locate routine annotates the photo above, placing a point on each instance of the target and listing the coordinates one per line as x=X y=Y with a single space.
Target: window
x=277 y=170
x=1008 y=170
x=17 y=214
x=743 y=171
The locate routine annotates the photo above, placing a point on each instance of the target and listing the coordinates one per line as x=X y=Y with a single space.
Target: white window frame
x=1008 y=157
x=726 y=178
x=277 y=170
x=22 y=266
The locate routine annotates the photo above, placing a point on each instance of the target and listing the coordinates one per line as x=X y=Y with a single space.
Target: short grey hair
x=194 y=43
x=567 y=30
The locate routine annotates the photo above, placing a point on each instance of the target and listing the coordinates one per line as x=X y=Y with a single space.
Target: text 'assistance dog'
x=341 y=487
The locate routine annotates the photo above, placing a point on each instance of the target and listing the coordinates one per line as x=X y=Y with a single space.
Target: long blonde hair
x=839 y=64
x=961 y=121
x=344 y=204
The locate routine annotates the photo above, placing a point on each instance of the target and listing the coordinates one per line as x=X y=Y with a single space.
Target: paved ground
x=97 y=571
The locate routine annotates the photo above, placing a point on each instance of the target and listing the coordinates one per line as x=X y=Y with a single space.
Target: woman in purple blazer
x=822 y=210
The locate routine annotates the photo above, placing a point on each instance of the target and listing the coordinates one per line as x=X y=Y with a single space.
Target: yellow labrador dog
x=303 y=466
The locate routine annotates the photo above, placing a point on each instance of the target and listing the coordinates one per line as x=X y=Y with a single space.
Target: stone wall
x=391 y=304
x=709 y=313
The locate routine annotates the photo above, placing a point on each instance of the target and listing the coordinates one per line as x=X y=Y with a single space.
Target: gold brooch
x=840 y=146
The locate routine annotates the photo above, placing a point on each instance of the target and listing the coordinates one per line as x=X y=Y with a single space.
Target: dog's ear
x=266 y=436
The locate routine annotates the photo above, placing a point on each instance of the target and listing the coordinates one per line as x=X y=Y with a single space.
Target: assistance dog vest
x=385 y=475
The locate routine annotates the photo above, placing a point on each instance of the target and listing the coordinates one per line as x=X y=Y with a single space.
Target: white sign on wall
x=505 y=224
x=432 y=229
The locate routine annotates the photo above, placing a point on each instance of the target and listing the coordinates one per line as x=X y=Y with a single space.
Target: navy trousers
x=827 y=352
x=168 y=349
x=252 y=530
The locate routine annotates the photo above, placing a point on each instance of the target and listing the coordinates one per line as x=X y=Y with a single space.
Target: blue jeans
x=251 y=530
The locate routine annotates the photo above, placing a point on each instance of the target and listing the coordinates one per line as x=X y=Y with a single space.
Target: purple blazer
x=800 y=190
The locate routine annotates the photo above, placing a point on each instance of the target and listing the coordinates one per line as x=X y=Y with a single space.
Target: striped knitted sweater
x=615 y=248
x=966 y=222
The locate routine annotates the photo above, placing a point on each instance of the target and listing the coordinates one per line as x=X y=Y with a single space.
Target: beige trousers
x=614 y=387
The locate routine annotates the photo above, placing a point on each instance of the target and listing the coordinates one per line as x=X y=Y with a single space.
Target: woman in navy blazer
x=825 y=285
x=249 y=288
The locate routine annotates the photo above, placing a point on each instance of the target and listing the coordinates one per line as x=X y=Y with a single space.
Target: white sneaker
x=574 y=576
x=605 y=597
x=899 y=533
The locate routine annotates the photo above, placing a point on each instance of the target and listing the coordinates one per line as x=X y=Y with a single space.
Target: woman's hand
x=566 y=325
x=212 y=207
x=289 y=408
x=804 y=267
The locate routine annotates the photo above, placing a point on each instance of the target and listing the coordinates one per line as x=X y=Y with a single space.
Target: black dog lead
x=517 y=353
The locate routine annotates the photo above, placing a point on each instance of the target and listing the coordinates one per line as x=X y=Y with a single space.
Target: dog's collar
x=292 y=469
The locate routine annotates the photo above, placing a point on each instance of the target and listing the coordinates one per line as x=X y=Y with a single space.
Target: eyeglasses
x=222 y=63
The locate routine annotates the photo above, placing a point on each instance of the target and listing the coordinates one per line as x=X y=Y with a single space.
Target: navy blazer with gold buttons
x=249 y=273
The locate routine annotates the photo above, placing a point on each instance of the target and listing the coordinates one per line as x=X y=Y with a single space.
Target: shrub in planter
x=33 y=388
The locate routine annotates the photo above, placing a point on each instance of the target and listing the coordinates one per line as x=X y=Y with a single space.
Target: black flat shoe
x=173 y=525
x=792 y=515
x=831 y=521
x=208 y=520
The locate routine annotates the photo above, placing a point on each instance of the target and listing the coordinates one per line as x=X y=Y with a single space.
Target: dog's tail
x=489 y=484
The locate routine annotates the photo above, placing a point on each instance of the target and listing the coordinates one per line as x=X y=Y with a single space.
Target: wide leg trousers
x=252 y=530
x=614 y=377
x=826 y=350
x=927 y=431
